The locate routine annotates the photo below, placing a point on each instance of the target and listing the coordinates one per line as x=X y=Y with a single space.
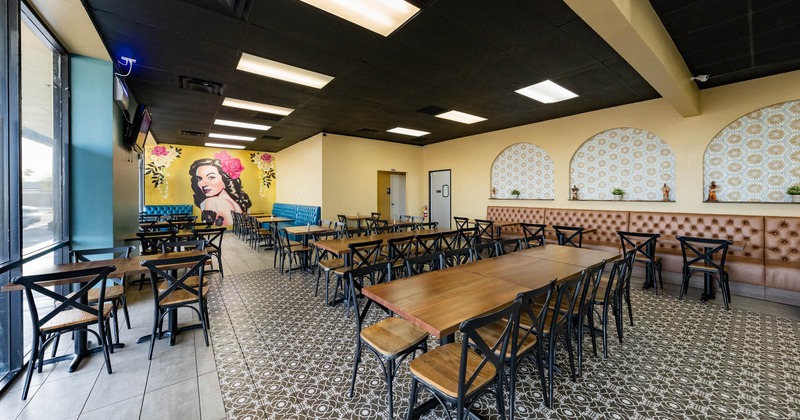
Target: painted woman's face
x=209 y=180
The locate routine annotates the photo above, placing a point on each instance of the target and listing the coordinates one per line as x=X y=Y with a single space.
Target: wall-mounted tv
x=136 y=134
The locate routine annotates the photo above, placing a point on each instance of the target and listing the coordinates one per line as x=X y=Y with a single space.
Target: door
x=384 y=195
x=439 y=197
x=397 y=184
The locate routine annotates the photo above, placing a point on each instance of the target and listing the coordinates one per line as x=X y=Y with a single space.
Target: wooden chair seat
x=703 y=267
x=331 y=263
x=191 y=282
x=493 y=332
x=525 y=321
x=642 y=260
x=392 y=336
x=112 y=292
x=73 y=318
x=180 y=296
x=439 y=369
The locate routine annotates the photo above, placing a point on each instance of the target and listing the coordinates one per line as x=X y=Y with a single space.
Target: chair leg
x=356 y=361
x=592 y=332
x=542 y=380
x=412 y=399
x=219 y=263
x=156 y=319
x=201 y=312
x=389 y=379
x=31 y=365
x=55 y=346
x=568 y=340
x=125 y=311
x=114 y=313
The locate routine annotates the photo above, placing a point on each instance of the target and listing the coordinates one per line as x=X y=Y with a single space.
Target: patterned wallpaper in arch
x=633 y=159
x=524 y=167
x=757 y=157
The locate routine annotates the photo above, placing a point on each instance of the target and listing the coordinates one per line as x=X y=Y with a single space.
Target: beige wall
x=299 y=173
x=470 y=158
x=350 y=174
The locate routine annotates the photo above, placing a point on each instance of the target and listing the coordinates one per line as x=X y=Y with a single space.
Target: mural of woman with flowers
x=218 y=189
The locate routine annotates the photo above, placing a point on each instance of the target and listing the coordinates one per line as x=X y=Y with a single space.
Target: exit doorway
x=391 y=194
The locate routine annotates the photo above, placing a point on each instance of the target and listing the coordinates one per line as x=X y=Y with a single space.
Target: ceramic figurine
x=712 y=192
x=574 y=192
x=665 y=192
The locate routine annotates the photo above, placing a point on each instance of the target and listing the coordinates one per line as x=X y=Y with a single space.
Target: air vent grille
x=193 y=133
x=367 y=131
x=432 y=110
x=202 y=86
x=268 y=117
x=268 y=137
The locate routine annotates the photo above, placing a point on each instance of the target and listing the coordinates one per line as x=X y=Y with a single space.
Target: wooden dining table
x=439 y=301
x=341 y=247
x=123 y=267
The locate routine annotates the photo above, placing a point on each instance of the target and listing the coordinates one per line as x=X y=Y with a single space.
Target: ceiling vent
x=432 y=110
x=367 y=131
x=200 y=85
x=268 y=137
x=269 y=117
x=192 y=133
x=239 y=9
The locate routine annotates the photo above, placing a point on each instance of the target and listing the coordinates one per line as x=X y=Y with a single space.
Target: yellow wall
x=176 y=188
x=470 y=158
x=350 y=168
x=300 y=172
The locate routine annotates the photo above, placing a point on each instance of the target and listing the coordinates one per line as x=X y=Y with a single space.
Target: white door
x=439 y=197
x=397 y=183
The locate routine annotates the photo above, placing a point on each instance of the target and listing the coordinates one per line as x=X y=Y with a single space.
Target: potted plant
x=515 y=192
x=617 y=193
x=794 y=191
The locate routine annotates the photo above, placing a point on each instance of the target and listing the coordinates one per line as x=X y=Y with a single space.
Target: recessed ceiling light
x=408 y=132
x=240 y=124
x=461 y=117
x=255 y=106
x=547 y=92
x=230 y=137
x=262 y=66
x=383 y=16
x=227 y=146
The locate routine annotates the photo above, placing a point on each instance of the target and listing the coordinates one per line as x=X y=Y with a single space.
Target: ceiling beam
x=635 y=31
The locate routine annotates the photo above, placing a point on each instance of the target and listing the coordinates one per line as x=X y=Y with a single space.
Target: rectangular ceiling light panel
x=230 y=137
x=547 y=92
x=227 y=146
x=408 y=132
x=255 y=106
x=262 y=66
x=381 y=16
x=240 y=124
x=461 y=117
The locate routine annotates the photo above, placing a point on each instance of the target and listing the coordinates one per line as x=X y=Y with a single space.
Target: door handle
x=445 y=191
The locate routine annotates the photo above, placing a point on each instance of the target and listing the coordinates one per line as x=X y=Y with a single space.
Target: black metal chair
x=426 y=243
x=706 y=256
x=399 y=252
x=391 y=340
x=178 y=293
x=610 y=294
x=484 y=231
x=426 y=225
x=533 y=234
x=424 y=263
x=583 y=310
x=291 y=250
x=643 y=246
x=459 y=373
x=569 y=235
x=151 y=244
x=507 y=246
x=485 y=250
x=325 y=260
x=461 y=222
x=213 y=238
x=454 y=257
x=362 y=254
x=70 y=314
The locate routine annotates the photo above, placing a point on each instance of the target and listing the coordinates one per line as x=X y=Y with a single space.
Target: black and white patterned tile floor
x=282 y=354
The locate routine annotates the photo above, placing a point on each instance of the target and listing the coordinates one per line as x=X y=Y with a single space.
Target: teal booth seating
x=167 y=209
x=302 y=215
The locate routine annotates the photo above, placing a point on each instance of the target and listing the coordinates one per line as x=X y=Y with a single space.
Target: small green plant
x=793 y=190
x=618 y=191
x=516 y=192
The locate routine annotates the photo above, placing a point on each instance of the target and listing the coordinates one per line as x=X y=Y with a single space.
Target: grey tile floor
x=180 y=382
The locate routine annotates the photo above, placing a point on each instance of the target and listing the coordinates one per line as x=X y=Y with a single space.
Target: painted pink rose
x=160 y=151
x=232 y=167
x=223 y=156
x=266 y=157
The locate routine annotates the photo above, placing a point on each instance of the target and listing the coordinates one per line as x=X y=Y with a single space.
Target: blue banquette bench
x=301 y=214
x=168 y=209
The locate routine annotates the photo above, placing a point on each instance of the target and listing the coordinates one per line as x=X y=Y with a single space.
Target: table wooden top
x=308 y=230
x=582 y=257
x=527 y=272
x=341 y=246
x=123 y=267
x=359 y=217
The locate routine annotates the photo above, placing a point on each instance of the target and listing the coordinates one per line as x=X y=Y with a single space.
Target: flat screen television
x=136 y=134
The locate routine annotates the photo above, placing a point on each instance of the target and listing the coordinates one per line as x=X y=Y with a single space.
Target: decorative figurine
x=712 y=192
x=574 y=192
x=665 y=192
x=494 y=192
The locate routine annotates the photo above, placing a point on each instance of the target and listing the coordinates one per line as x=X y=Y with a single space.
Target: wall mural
x=636 y=161
x=757 y=157
x=524 y=168
x=216 y=181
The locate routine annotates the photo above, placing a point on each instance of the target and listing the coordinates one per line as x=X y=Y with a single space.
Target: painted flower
x=266 y=157
x=222 y=156
x=232 y=167
x=160 y=151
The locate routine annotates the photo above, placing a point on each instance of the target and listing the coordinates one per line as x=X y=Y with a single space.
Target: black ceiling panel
x=468 y=55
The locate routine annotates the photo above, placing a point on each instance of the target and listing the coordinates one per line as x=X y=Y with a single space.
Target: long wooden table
x=341 y=247
x=439 y=301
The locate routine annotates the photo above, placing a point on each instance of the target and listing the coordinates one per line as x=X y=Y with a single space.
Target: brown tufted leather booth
x=782 y=253
x=768 y=266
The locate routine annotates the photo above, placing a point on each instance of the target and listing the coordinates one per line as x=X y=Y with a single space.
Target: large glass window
x=41 y=140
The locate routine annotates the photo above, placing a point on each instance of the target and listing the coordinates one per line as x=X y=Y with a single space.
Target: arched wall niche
x=757 y=157
x=633 y=159
x=524 y=167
